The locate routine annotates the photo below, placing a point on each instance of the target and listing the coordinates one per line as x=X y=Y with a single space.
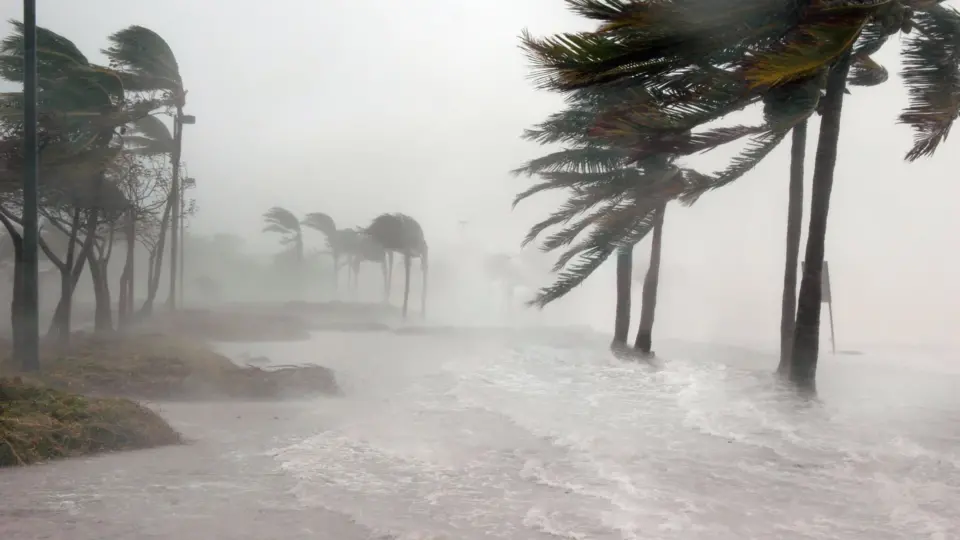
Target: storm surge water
x=486 y=437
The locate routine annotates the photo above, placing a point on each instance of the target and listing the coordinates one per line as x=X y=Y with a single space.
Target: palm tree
x=282 y=221
x=147 y=64
x=319 y=221
x=81 y=105
x=364 y=248
x=504 y=270
x=402 y=234
x=601 y=174
x=695 y=69
x=342 y=243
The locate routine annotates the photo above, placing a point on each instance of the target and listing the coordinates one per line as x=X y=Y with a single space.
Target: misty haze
x=463 y=269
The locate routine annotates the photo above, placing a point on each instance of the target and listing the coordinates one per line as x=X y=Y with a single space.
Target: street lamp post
x=179 y=121
x=29 y=341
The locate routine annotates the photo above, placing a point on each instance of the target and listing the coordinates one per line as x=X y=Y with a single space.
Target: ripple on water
x=564 y=443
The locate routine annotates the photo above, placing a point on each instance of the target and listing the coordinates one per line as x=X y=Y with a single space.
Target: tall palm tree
x=284 y=222
x=148 y=64
x=319 y=221
x=342 y=243
x=402 y=234
x=365 y=248
x=598 y=173
x=699 y=68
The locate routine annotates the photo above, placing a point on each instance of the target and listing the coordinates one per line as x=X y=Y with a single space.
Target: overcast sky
x=356 y=108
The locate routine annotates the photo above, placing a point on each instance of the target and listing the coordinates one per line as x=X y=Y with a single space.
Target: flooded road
x=453 y=437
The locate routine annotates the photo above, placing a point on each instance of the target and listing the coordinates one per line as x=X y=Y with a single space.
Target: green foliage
x=398 y=232
x=146 y=62
x=643 y=84
x=39 y=423
x=692 y=61
x=81 y=107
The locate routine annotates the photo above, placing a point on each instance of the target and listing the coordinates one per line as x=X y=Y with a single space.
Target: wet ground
x=452 y=437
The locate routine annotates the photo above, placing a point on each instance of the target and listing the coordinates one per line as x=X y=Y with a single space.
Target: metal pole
x=183 y=237
x=29 y=316
x=175 y=221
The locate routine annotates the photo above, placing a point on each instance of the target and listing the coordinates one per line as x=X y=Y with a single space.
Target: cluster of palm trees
x=96 y=126
x=646 y=85
x=386 y=235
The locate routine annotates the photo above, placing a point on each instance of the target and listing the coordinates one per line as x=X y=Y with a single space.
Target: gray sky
x=356 y=108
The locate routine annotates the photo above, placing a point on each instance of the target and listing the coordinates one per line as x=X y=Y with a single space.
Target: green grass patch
x=39 y=423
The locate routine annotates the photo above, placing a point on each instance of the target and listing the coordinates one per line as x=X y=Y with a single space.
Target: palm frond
x=152 y=127
x=397 y=232
x=817 y=41
x=146 y=59
x=586 y=159
x=864 y=71
x=276 y=228
x=568 y=234
x=282 y=218
x=759 y=148
x=624 y=226
x=320 y=222
x=931 y=73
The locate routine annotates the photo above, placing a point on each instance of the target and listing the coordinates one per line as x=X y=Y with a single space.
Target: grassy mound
x=162 y=367
x=40 y=423
x=232 y=325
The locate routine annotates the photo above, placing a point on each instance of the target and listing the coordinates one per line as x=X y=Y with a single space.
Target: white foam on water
x=499 y=440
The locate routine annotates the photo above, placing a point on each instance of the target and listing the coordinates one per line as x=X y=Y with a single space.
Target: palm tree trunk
x=788 y=307
x=386 y=279
x=336 y=274
x=621 y=326
x=406 y=282
x=424 y=269
x=648 y=309
x=806 y=336
x=389 y=274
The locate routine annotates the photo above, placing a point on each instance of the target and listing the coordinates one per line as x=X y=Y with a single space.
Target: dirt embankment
x=84 y=399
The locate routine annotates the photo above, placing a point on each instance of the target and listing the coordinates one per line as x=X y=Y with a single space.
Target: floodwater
x=456 y=437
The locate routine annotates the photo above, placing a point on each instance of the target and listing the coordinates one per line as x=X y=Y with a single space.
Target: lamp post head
x=188 y=119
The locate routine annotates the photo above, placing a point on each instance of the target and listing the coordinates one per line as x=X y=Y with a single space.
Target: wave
x=512 y=440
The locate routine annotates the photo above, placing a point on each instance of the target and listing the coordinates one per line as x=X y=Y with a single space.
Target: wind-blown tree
x=745 y=52
x=361 y=248
x=144 y=182
x=282 y=221
x=147 y=64
x=402 y=234
x=81 y=105
x=603 y=178
x=342 y=243
x=84 y=215
x=319 y=221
